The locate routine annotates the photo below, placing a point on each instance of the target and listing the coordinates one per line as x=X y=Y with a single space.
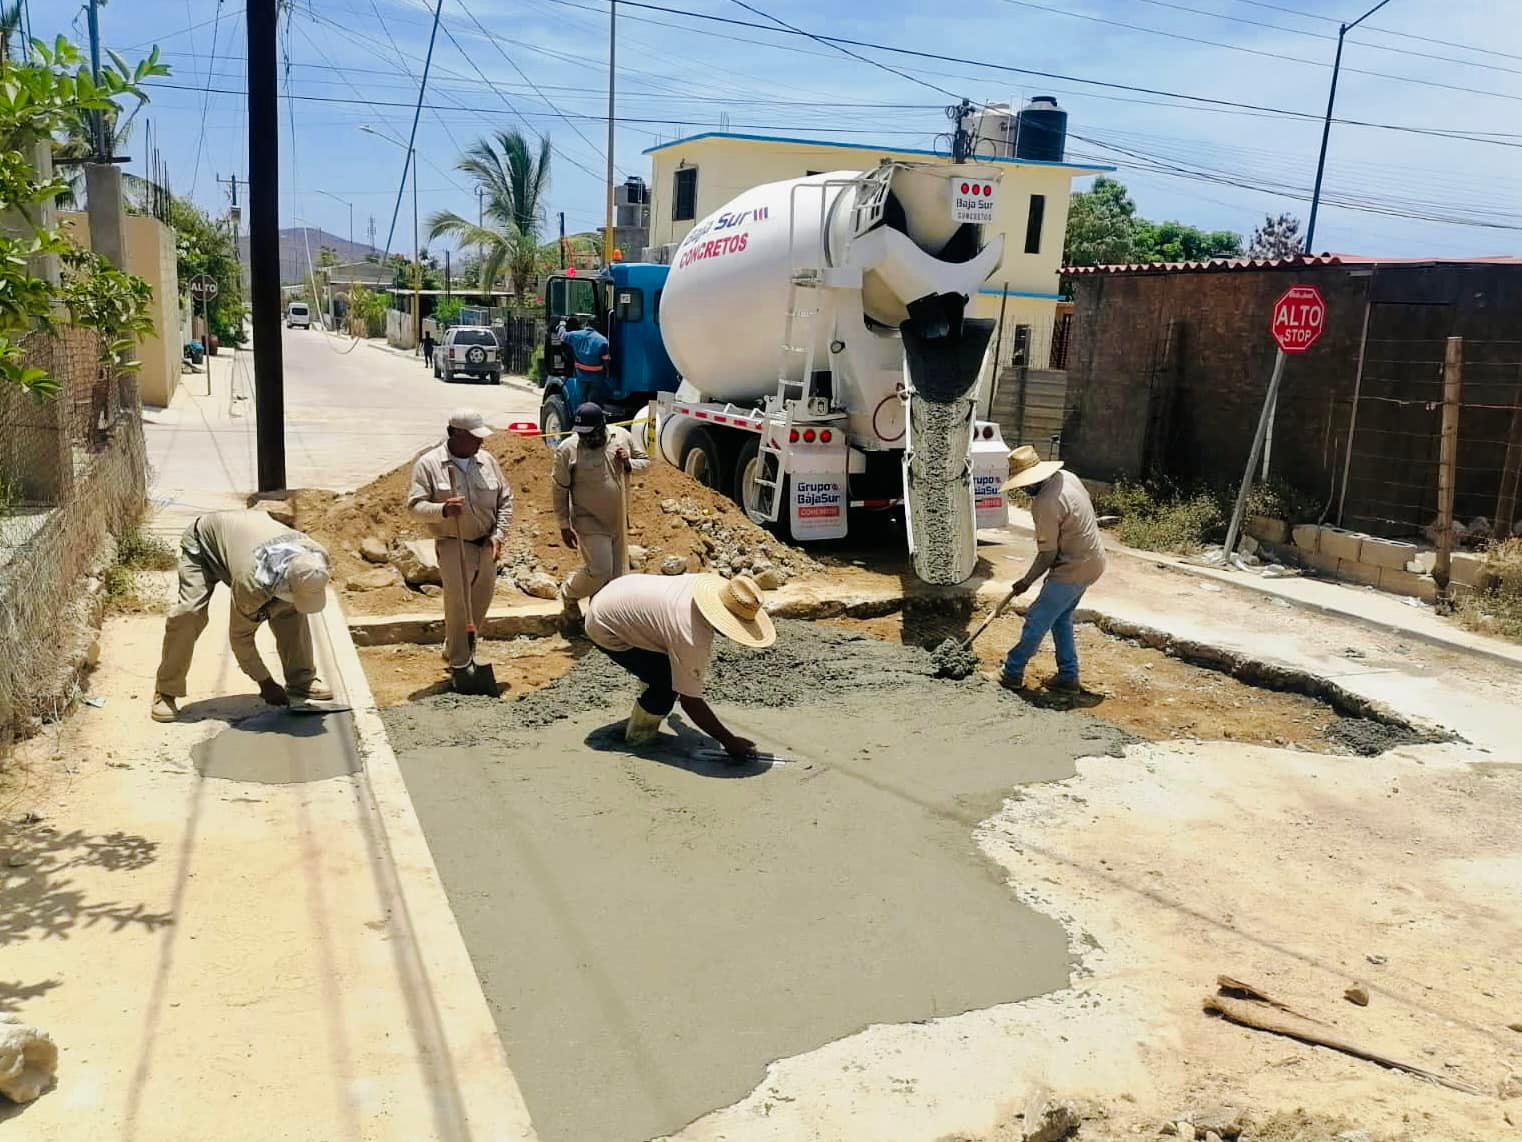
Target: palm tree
x=10 y=29
x=513 y=184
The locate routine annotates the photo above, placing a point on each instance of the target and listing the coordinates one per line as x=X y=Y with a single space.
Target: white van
x=298 y=316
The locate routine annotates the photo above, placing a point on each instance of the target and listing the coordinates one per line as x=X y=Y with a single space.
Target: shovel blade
x=475 y=678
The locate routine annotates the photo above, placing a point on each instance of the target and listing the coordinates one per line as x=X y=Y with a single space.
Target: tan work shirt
x=488 y=496
x=229 y=542
x=655 y=612
x=1065 y=523
x=589 y=483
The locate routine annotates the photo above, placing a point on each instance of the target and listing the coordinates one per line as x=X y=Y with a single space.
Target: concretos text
x=714 y=248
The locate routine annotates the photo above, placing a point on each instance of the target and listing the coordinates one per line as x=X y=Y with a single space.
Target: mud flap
x=943 y=358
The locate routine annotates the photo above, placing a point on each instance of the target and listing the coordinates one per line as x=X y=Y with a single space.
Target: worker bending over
x=590 y=354
x=459 y=492
x=276 y=575
x=1069 y=552
x=660 y=628
x=590 y=489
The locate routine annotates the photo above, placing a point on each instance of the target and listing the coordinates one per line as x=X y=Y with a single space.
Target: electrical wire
x=412 y=138
x=1382 y=31
x=195 y=170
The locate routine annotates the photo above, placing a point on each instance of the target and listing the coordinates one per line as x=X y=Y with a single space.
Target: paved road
x=349 y=417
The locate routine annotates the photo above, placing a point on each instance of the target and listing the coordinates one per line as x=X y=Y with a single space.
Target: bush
x=136 y=551
x=1159 y=516
x=1278 y=500
x=1498 y=609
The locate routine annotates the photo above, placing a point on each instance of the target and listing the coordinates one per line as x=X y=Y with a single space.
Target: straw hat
x=733 y=608
x=306 y=578
x=1028 y=468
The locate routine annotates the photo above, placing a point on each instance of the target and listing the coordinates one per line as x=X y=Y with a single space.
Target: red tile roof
x=1294 y=261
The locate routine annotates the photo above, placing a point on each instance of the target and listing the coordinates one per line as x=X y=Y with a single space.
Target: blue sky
x=356 y=62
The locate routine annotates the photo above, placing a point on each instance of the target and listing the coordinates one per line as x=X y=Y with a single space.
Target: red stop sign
x=1299 y=317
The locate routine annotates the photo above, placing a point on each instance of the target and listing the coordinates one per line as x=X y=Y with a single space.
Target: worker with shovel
x=276 y=575
x=590 y=489
x=459 y=493
x=660 y=628
x=1069 y=552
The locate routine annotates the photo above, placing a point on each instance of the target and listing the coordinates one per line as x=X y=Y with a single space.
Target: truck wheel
x=747 y=464
x=700 y=460
x=553 y=418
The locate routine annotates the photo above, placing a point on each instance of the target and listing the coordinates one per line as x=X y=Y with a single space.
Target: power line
x=417 y=113
x=195 y=170
x=1375 y=28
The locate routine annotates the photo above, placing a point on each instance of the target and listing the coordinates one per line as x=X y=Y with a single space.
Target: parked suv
x=298 y=316
x=468 y=349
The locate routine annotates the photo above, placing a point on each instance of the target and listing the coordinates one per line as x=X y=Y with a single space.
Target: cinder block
x=1469 y=570
x=1399 y=581
x=1391 y=553
x=1422 y=562
x=1266 y=529
x=1352 y=571
x=1341 y=544
x=1307 y=537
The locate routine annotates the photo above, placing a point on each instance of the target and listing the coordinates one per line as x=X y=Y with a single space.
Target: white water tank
x=724 y=308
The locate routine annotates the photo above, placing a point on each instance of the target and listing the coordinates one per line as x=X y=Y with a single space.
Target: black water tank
x=1041 y=130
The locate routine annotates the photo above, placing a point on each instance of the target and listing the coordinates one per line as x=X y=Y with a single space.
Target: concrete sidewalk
x=262 y=954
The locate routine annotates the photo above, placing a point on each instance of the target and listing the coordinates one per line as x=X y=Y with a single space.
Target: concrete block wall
x=1389 y=565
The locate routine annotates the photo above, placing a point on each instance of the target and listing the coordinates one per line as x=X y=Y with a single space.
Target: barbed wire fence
x=72 y=477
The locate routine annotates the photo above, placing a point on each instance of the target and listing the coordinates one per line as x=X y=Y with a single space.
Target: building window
x=1033 y=224
x=684 y=205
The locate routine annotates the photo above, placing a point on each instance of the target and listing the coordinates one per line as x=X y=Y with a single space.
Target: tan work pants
x=465 y=600
x=603 y=560
x=188 y=618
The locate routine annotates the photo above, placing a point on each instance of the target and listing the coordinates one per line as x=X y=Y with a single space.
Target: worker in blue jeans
x=1069 y=552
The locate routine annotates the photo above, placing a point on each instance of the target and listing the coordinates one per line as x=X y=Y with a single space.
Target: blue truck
x=623 y=302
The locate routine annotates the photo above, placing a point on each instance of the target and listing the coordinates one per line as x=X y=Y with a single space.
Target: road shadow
x=680 y=749
x=13 y=993
x=42 y=902
x=230 y=708
x=1057 y=700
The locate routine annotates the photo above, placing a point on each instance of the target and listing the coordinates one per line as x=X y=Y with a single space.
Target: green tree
x=1276 y=238
x=1101 y=226
x=204 y=245
x=514 y=181
x=40 y=97
x=1176 y=242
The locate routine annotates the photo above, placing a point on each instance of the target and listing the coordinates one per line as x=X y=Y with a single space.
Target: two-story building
x=694 y=176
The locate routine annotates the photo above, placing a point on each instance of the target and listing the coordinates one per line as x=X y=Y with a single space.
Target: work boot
x=1057 y=684
x=1011 y=683
x=642 y=726
x=164 y=709
x=316 y=691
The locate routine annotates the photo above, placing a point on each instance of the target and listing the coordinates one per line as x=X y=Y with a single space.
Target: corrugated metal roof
x=1292 y=262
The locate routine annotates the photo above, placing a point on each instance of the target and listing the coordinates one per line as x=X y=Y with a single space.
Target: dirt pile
x=675 y=525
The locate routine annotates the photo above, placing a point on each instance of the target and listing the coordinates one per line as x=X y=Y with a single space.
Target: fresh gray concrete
x=653 y=929
x=277 y=747
x=351 y=414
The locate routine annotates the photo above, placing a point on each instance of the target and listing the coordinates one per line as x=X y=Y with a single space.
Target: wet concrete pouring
x=653 y=929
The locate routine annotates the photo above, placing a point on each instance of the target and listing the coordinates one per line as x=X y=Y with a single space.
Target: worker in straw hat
x=590 y=490
x=660 y=628
x=1069 y=552
x=276 y=575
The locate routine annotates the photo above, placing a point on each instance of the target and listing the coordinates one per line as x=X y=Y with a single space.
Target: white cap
x=469 y=420
x=306 y=580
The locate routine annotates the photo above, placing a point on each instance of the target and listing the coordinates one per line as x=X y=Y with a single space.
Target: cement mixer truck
x=814 y=330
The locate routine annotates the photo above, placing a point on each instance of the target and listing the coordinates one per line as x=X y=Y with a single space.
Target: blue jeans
x=1052 y=611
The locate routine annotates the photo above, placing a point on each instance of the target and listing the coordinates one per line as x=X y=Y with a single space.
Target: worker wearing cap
x=459 y=493
x=277 y=575
x=660 y=628
x=1069 y=552
x=589 y=351
x=590 y=489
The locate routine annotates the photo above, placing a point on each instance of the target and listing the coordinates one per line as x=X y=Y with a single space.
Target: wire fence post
x=1511 y=467
x=1240 y=511
x=1448 y=458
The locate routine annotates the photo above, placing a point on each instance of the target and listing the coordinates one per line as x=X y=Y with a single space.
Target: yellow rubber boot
x=642 y=727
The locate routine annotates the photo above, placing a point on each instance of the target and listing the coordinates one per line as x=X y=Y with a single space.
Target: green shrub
x=139 y=551
x=1279 y=500
x=1497 y=609
x=1160 y=516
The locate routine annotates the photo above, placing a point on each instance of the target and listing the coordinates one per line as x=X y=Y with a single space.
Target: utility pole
x=961 y=147
x=417 y=256
x=264 y=241
x=97 y=118
x=371 y=239
x=607 y=234
x=562 y=239
x=234 y=217
x=1326 y=126
x=447 y=274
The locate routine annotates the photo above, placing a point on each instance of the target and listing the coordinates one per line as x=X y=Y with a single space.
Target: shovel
x=474 y=677
x=952 y=659
x=993 y=614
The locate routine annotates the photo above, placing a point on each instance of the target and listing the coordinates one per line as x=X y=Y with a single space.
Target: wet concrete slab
x=277 y=747
x=653 y=928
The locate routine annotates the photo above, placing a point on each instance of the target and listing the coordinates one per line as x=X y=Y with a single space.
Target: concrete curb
x=465 y=1067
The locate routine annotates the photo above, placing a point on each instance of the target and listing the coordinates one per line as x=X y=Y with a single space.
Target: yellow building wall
x=151 y=256
x=727 y=166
